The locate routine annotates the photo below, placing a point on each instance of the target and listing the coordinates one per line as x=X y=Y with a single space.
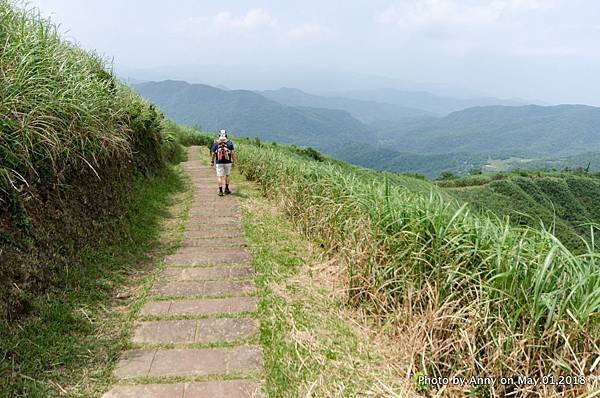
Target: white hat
x=223 y=133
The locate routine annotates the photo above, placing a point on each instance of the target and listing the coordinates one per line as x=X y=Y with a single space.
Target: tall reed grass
x=467 y=295
x=72 y=140
x=61 y=108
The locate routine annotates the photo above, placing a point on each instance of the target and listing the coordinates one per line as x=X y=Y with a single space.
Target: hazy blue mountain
x=365 y=111
x=425 y=101
x=522 y=130
x=246 y=113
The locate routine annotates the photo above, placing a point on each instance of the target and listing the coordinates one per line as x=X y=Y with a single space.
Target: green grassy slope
x=566 y=202
x=468 y=294
x=71 y=141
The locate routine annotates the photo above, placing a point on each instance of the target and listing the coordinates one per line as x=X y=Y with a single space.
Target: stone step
x=210 y=199
x=210 y=221
x=215 y=215
x=208 y=389
x=220 y=225
x=212 y=204
x=188 y=362
x=203 y=288
x=194 y=256
x=210 y=244
x=202 y=224
x=203 y=331
x=199 y=307
x=215 y=234
x=207 y=273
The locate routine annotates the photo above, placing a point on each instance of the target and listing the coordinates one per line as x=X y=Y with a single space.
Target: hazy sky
x=538 y=49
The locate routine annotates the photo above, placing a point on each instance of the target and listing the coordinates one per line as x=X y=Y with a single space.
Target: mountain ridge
x=247 y=113
x=521 y=130
x=365 y=111
x=496 y=131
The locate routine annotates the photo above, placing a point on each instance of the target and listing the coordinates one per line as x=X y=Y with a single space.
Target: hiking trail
x=193 y=336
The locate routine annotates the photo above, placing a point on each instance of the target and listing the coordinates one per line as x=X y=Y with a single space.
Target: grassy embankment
x=467 y=295
x=85 y=183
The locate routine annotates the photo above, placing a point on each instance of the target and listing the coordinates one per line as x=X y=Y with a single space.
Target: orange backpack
x=223 y=151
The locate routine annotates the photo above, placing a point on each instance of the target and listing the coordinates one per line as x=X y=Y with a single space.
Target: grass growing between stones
x=313 y=345
x=71 y=342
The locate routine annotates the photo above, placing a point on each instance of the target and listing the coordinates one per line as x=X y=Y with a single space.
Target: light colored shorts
x=223 y=169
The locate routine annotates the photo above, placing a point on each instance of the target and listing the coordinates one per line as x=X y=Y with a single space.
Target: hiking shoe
x=220 y=193
x=227 y=191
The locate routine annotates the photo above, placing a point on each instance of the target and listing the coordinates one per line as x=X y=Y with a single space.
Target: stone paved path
x=198 y=325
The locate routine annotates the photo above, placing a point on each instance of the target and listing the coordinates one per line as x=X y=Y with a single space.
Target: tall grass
x=72 y=138
x=61 y=108
x=468 y=295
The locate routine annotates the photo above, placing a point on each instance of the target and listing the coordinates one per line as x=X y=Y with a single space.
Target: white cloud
x=459 y=27
x=419 y=15
x=253 y=19
x=306 y=30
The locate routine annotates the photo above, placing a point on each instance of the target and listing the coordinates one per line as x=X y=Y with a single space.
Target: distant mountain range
x=365 y=111
x=529 y=131
x=425 y=101
x=393 y=135
x=247 y=113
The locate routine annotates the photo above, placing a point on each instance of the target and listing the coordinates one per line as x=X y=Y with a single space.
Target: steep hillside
x=365 y=111
x=428 y=102
x=246 y=113
x=524 y=130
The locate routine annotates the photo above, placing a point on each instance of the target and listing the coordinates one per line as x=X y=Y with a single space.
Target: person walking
x=222 y=155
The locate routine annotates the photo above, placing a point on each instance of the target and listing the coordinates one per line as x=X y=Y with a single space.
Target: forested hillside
x=249 y=114
x=383 y=157
x=528 y=131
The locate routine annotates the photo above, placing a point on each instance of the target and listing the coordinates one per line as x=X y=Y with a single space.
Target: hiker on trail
x=223 y=154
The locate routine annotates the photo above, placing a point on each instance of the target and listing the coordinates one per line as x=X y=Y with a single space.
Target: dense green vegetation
x=247 y=113
x=71 y=140
x=310 y=343
x=384 y=158
x=564 y=202
x=473 y=294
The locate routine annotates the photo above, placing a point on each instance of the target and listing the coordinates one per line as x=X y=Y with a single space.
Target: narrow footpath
x=194 y=337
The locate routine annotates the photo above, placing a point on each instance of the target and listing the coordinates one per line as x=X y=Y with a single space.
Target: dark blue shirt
x=215 y=145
